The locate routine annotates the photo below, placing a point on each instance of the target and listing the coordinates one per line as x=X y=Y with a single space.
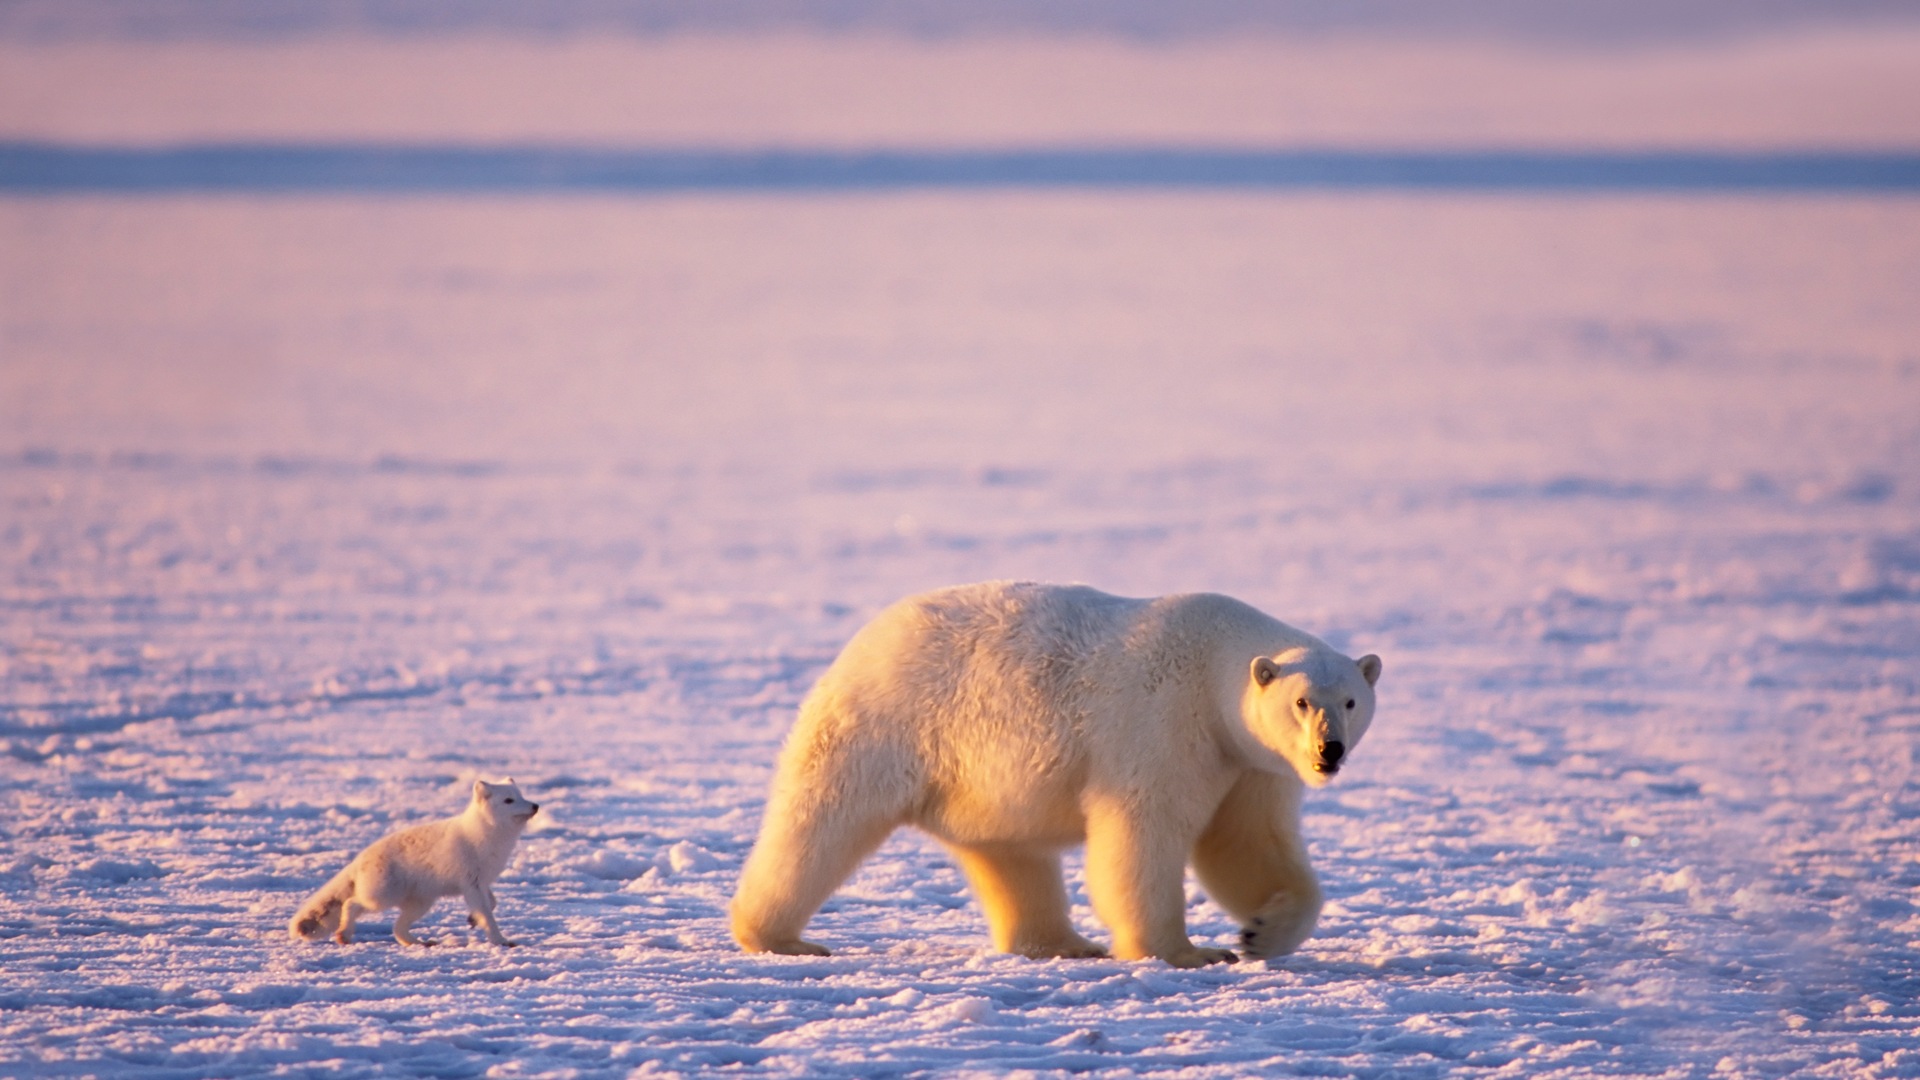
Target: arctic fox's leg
x=1025 y=900
x=349 y=907
x=410 y=911
x=1136 y=879
x=1254 y=864
x=474 y=920
x=479 y=900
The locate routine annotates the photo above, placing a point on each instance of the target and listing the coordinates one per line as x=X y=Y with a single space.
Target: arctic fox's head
x=503 y=803
x=1311 y=706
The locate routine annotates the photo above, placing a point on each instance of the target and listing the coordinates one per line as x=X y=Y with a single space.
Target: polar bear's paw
x=1194 y=956
x=1278 y=929
x=796 y=947
x=1073 y=948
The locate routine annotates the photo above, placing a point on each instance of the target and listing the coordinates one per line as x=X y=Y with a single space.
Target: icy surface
x=316 y=509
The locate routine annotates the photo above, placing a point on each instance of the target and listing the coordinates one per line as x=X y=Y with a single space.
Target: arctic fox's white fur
x=457 y=856
x=1012 y=721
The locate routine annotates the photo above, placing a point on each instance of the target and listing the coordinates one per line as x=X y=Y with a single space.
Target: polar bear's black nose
x=1332 y=752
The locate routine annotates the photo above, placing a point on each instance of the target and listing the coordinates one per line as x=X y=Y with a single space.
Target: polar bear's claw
x=1282 y=926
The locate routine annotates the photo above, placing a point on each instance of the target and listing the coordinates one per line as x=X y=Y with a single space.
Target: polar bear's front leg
x=1252 y=861
x=1136 y=877
x=1025 y=900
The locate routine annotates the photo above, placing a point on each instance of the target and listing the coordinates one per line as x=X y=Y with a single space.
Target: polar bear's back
x=999 y=643
x=1037 y=649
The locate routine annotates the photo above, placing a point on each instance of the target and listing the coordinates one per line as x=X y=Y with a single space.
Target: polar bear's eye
x=1301 y=704
x=1349 y=703
x=509 y=802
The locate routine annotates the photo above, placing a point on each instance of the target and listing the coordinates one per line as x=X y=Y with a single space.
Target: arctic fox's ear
x=1369 y=668
x=1264 y=670
x=481 y=789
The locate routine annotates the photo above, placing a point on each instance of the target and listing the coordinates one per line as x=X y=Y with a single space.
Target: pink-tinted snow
x=314 y=509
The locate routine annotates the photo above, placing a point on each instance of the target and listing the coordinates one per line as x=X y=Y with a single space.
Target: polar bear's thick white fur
x=1015 y=720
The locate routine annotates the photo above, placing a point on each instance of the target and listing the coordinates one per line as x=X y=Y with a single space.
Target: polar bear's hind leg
x=808 y=846
x=1025 y=900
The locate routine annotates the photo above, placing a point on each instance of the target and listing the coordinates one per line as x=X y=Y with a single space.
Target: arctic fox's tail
x=319 y=917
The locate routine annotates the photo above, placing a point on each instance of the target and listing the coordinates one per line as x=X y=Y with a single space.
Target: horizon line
x=29 y=167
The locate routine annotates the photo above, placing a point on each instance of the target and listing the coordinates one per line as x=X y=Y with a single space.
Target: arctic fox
x=456 y=856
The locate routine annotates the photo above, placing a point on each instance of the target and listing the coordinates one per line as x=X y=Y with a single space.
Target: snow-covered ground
x=314 y=509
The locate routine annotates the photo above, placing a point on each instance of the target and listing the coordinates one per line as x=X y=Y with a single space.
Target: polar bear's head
x=1311 y=706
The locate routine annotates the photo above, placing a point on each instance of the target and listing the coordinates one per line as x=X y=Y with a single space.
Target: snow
x=312 y=510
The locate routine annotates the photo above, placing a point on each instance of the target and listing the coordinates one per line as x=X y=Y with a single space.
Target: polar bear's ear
x=1264 y=670
x=1369 y=668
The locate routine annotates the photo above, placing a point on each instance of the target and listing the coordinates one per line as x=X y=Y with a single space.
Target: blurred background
x=570 y=328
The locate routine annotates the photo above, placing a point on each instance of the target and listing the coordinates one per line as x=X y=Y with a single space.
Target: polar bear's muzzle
x=1330 y=754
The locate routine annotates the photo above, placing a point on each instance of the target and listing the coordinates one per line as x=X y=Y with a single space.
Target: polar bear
x=1014 y=720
